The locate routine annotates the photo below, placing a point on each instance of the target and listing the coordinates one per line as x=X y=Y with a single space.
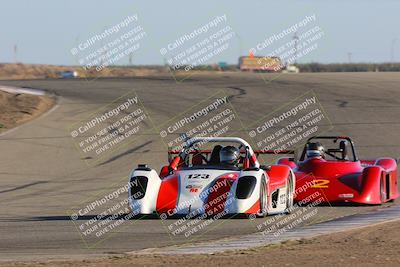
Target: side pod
x=370 y=186
x=278 y=175
x=143 y=190
x=281 y=188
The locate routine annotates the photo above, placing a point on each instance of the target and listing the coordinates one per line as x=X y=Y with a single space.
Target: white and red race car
x=196 y=183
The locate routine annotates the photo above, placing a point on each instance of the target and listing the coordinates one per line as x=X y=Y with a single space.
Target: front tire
x=263 y=199
x=289 y=195
x=382 y=191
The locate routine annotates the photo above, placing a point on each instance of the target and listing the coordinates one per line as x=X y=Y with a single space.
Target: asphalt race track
x=42 y=175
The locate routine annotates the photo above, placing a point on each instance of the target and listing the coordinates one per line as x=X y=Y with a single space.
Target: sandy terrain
x=369 y=246
x=16 y=109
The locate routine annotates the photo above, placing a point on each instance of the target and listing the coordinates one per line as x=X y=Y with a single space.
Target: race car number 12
x=320 y=183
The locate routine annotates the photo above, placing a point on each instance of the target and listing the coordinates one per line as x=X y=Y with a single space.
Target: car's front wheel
x=382 y=191
x=289 y=194
x=263 y=198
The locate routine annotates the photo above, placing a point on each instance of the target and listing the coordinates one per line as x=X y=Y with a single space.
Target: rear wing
x=173 y=153
x=274 y=152
x=293 y=153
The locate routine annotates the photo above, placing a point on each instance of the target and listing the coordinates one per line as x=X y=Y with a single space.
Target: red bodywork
x=169 y=189
x=356 y=181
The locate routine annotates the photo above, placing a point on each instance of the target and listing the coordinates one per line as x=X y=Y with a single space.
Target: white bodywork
x=193 y=201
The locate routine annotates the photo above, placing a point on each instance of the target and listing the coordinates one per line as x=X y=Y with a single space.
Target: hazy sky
x=46 y=30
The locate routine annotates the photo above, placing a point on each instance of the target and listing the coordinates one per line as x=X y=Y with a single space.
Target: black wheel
x=263 y=198
x=289 y=195
x=382 y=192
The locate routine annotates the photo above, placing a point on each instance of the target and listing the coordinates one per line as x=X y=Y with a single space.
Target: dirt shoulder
x=370 y=246
x=16 y=109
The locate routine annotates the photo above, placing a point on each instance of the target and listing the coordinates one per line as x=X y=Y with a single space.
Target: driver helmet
x=315 y=150
x=229 y=155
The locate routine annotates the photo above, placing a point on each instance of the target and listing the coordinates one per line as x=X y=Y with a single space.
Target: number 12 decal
x=320 y=183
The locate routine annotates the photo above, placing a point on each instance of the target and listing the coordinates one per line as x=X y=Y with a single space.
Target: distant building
x=262 y=64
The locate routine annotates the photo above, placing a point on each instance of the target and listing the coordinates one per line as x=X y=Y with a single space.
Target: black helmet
x=315 y=150
x=229 y=155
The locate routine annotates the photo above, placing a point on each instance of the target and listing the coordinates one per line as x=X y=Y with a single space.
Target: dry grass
x=16 y=109
x=33 y=71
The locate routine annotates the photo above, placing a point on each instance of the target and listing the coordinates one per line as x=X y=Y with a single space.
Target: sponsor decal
x=193 y=188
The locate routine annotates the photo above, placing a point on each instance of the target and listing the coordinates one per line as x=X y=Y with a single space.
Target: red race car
x=334 y=170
